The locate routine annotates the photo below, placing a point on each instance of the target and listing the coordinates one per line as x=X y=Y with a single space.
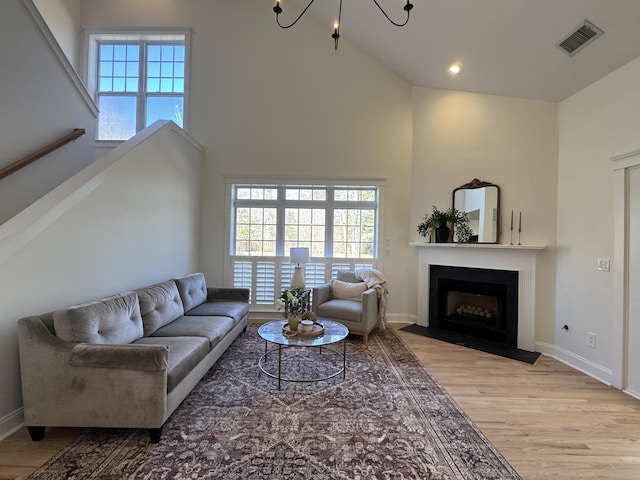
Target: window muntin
x=305 y=227
x=354 y=233
x=331 y=221
x=165 y=68
x=256 y=231
x=139 y=79
x=119 y=67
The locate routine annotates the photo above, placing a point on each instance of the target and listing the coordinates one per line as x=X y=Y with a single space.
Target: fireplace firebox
x=476 y=302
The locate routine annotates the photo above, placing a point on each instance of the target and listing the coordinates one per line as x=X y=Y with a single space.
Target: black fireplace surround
x=476 y=302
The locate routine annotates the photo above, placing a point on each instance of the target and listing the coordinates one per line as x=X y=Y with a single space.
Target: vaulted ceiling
x=506 y=47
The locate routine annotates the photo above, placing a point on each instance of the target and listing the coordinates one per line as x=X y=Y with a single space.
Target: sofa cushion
x=212 y=328
x=184 y=354
x=347 y=290
x=159 y=304
x=114 y=319
x=235 y=310
x=349 y=310
x=193 y=290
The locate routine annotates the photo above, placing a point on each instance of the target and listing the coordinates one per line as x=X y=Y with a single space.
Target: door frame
x=621 y=166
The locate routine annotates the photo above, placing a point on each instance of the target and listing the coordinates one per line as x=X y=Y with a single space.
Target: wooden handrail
x=23 y=162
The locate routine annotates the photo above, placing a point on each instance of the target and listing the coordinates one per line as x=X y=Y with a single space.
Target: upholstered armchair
x=347 y=300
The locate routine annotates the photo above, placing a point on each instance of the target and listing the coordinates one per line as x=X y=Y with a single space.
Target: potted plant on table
x=294 y=301
x=439 y=221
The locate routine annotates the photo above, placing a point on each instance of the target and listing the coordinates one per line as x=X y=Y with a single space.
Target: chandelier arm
x=389 y=18
x=296 y=20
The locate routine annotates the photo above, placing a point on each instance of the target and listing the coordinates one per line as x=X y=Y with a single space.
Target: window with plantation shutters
x=338 y=223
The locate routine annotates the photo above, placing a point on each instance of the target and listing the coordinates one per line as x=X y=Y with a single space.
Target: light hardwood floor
x=550 y=421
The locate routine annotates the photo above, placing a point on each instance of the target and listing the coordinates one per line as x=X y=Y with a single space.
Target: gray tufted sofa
x=128 y=360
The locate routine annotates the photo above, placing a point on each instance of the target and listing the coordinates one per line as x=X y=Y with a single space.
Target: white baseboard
x=401 y=318
x=581 y=364
x=632 y=393
x=11 y=423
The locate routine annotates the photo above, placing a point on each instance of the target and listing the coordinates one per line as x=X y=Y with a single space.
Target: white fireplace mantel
x=520 y=258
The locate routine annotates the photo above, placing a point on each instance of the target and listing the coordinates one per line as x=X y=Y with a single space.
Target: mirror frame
x=473 y=184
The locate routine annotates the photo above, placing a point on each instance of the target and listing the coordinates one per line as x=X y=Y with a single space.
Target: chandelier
x=336 y=24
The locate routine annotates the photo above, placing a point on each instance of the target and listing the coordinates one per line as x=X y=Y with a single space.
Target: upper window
x=137 y=79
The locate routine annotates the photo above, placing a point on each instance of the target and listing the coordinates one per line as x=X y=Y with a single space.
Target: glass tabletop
x=333 y=332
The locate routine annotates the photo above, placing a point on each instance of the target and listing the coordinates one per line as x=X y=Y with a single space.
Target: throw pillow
x=347 y=290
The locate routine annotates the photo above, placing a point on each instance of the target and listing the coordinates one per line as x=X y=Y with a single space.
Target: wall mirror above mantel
x=481 y=202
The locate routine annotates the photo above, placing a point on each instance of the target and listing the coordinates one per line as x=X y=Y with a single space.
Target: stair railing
x=23 y=162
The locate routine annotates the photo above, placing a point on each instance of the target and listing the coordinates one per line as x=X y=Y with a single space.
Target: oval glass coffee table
x=332 y=361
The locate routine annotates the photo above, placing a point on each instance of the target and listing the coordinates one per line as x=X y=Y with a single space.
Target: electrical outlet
x=604 y=264
x=591 y=339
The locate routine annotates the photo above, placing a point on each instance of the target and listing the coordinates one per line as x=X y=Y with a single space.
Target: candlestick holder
x=511 y=229
x=519 y=227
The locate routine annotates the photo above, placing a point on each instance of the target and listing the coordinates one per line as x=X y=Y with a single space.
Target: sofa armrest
x=58 y=393
x=321 y=294
x=227 y=294
x=152 y=358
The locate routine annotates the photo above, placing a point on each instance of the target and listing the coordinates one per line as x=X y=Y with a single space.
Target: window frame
x=93 y=36
x=281 y=261
x=330 y=205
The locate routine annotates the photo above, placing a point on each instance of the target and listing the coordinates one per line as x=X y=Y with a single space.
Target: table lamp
x=298 y=255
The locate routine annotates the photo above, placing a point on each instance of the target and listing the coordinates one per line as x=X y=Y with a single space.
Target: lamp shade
x=299 y=255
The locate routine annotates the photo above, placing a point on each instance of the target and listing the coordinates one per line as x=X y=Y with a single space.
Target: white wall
x=596 y=123
x=63 y=18
x=40 y=104
x=122 y=223
x=459 y=136
x=266 y=101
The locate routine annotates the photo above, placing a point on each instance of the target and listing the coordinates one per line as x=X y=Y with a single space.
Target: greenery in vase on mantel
x=438 y=221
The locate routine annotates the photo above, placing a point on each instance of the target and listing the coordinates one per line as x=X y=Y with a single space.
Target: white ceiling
x=506 y=47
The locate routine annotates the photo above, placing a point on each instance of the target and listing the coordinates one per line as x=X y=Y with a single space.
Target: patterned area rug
x=388 y=419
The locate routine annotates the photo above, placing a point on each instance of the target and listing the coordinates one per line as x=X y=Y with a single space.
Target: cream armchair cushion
x=347 y=290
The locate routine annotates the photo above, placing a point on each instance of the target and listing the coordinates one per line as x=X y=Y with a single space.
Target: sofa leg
x=154 y=434
x=365 y=337
x=37 y=433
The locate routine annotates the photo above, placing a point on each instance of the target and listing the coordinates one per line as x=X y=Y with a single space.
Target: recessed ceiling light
x=455 y=68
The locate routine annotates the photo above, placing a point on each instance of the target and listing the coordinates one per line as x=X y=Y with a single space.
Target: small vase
x=293 y=322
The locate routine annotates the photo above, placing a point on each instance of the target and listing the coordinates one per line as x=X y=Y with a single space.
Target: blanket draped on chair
x=374 y=279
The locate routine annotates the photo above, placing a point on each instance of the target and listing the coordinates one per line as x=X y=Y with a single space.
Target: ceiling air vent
x=583 y=34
